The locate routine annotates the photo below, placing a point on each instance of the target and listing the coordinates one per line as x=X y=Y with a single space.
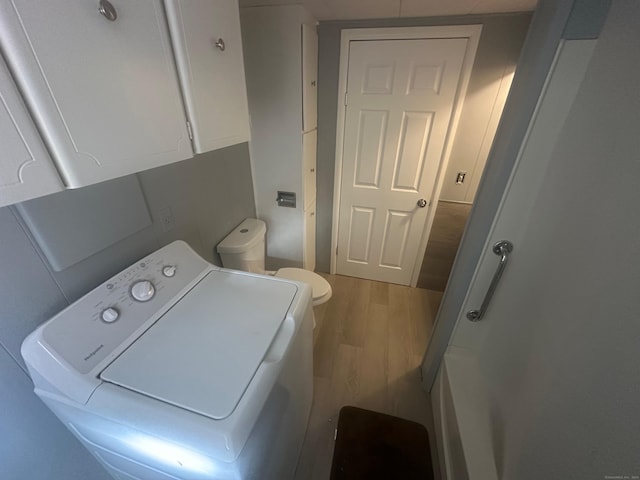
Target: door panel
x=427 y=78
x=309 y=146
x=309 y=78
x=414 y=137
x=105 y=95
x=396 y=234
x=309 y=256
x=371 y=140
x=26 y=170
x=360 y=230
x=377 y=79
x=212 y=77
x=400 y=98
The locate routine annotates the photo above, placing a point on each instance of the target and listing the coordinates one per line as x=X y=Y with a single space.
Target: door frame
x=472 y=33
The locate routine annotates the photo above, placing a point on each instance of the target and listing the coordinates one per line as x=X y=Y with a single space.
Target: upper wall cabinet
x=101 y=84
x=208 y=48
x=26 y=170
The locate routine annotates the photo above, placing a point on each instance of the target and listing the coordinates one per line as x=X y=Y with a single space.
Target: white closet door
x=309 y=254
x=208 y=47
x=26 y=170
x=104 y=93
x=309 y=78
x=309 y=144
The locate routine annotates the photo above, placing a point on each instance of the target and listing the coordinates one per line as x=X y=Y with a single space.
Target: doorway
x=402 y=91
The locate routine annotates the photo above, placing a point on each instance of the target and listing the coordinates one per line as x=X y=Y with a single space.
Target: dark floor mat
x=371 y=446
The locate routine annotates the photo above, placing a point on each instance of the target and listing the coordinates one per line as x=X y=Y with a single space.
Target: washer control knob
x=169 y=270
x=110 y=315
x=143 y=290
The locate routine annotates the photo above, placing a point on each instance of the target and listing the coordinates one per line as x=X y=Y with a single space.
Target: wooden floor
x=369 y=341
x=442 y=247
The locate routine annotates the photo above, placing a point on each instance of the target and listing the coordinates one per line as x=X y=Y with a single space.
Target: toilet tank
x=243 y=249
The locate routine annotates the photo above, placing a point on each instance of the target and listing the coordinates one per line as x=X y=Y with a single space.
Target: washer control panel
x=124 y=305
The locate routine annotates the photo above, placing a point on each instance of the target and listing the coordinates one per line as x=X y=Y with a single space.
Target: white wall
x=271 y=39
x=493 y=71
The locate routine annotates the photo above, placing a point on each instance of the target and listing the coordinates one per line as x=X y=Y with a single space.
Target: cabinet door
x=208 y=48
x=309 y=248
x=104 y=94
x=26 y=171
x=309 y=78
x=309 y=144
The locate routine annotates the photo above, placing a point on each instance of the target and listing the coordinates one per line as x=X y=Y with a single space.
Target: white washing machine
x=178 y=369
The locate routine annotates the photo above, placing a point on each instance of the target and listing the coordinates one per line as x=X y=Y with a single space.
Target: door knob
x=422 y=203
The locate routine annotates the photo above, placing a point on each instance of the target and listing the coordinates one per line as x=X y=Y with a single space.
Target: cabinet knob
x=107 y=10
x=220 y=45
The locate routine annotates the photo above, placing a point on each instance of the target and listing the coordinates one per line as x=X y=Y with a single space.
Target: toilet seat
x=321 y=290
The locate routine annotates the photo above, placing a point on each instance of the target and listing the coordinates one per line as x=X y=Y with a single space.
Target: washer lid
x=203 y=353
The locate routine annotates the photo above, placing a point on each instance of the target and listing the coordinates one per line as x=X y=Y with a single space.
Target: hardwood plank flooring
x=368 y=344
x=442 y=247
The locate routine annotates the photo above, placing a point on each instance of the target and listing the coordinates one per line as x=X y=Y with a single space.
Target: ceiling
x=352 y=9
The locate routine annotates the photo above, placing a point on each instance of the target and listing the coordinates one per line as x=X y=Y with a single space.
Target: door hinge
x=189 y=130
x=346 y=98
x=336 y=251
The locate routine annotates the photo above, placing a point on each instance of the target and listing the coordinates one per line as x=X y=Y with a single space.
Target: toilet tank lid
x=243 y=237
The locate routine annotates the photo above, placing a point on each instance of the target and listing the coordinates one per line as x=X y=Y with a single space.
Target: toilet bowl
x=321 y=290
x=244 y=249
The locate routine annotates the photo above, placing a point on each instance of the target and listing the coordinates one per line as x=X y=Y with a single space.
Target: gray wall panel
x=101 y=215
x=97 y=268
x=28 y=293
x=587 y=19
x=208 y=197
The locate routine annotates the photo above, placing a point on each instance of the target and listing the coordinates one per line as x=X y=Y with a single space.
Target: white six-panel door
x=399 y=104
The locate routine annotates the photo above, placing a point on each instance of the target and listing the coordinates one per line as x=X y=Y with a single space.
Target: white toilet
x=244 y=249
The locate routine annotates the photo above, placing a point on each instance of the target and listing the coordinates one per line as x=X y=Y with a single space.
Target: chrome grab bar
x=503 y=248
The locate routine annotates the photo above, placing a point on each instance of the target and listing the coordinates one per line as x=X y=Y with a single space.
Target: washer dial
x=109 y=315
x=169 y=270
x=143 y=290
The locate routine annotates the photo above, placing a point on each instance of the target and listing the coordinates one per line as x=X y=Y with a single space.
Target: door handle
x=503 y=248
x=422 y=203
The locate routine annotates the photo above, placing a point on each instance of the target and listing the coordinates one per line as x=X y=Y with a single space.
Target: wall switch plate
x=166 y=219
x=460 y=178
